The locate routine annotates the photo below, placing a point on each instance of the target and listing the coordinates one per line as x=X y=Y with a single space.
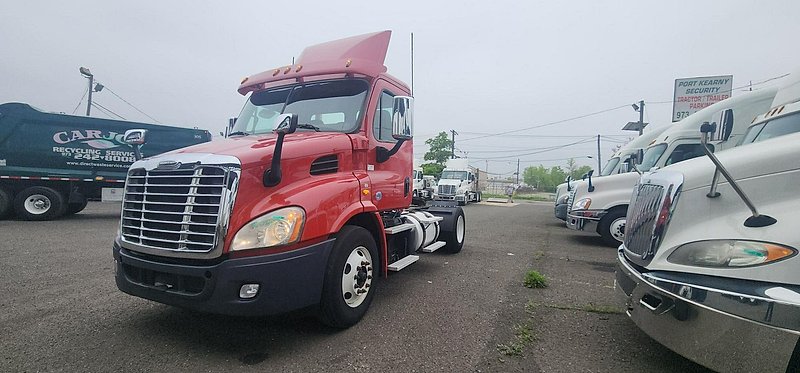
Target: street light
x=92 y=87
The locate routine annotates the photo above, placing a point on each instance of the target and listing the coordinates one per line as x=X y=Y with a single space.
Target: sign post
x=693 y=94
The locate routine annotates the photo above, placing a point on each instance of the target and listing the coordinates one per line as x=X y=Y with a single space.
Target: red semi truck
x=305 y=204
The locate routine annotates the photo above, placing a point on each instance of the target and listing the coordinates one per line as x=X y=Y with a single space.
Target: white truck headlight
x=279 y=227
x=582 y=204
x=729 y=253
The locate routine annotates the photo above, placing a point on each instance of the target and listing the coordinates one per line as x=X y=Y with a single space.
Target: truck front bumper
x=723 y=324
x=584 y=220
x=287 y=281
x=442 y=197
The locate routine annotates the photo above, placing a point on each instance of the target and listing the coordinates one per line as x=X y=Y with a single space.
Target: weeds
x=523 y=336
x=534 y=280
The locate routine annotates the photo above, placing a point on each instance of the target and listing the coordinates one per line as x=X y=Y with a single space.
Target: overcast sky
x=480 y=66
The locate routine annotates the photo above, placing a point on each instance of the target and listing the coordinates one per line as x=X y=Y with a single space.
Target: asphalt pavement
x=447 y=312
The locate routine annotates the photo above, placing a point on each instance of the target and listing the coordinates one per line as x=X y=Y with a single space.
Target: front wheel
x=612 y=227
x=74 y=208
x=349 y=278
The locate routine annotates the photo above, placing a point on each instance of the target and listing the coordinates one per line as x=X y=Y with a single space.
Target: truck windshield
x=329 y=106
x=454 y=175
x=610 y=166
x=651 y=156
x=774 y=128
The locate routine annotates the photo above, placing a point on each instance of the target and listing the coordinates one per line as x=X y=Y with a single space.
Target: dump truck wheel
x=74 y=208
x=39 y=203
x=6 y=203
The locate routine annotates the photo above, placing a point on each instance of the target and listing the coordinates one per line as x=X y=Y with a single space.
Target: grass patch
x=534 y=280
x=523 y=336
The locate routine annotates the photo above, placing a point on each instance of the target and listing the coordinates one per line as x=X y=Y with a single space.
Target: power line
x=131 y=105
x=105 y=109
x=79 y=102
x=543 y=150
x=549 y=123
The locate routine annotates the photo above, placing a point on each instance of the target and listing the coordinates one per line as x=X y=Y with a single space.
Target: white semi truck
x=600 y=204
x=459 y=182
x=619 y=163
x=709 y=264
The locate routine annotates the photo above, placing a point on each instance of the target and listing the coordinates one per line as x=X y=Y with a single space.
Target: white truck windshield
x=651 y=156
x=454 y=175
x=774 y=128
x=610 y=166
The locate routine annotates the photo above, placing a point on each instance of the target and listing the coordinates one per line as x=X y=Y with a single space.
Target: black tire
x=334 y=309
x=6 y=203
x=52 y=203
x=613 y=221
x=454 y=235
x=74 y=208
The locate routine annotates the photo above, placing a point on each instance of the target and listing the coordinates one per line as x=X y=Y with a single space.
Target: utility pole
x=641 y=117
x=517 y=171
x=453 y=144
x=88 y=74
x=599 y=164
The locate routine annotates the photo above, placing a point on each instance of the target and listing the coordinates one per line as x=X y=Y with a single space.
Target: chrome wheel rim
x=357 y=277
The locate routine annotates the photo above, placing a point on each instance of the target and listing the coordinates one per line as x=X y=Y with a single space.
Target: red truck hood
x=257 y=149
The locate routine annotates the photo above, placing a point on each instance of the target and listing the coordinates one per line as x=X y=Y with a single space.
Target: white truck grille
x=447 y=190
x=641 y=220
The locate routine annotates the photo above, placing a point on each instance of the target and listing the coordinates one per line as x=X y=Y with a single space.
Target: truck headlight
x=582 y=204
x=279 y=227
x=729 y=253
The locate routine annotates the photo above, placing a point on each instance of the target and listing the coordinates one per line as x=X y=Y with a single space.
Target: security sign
x=693 y=94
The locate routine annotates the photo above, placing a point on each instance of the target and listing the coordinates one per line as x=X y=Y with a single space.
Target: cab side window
x=382 y=122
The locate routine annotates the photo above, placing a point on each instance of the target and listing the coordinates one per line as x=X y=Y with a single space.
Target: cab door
x=391 y=180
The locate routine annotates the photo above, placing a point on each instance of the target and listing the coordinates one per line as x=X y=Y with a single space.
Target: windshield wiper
x=239 y=133
x=308 y=127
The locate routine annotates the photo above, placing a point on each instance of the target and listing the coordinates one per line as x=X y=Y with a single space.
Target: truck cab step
x=402 y=263
x=399 y=228
x=433 y=247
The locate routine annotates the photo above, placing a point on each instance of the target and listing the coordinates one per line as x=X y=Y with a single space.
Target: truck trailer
x=52 y=164
x=305 y=205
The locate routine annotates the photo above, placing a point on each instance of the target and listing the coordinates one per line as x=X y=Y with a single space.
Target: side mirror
x=135 y=137
x=724 y=121
x=285 y=124
x=638 y=157
x=403 y=118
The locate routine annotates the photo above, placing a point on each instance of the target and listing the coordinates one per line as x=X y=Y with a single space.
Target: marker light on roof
x=299 y=67
x=244 y=79
x=276 y=72
x=288 y=68
x=348 y=63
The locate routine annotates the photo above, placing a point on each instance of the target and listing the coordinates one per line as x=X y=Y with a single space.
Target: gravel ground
x=62 y=311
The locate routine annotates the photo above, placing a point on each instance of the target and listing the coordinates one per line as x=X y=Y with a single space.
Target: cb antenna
x=412 y=64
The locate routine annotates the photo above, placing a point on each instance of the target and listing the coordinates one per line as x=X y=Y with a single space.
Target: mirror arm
x=383 y=154
x=137 y=152
x=754 y=221
x=272 y=176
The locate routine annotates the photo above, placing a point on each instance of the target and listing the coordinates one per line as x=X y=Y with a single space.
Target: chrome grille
x=176 y=210
x=447 y=190
x=641 y=219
